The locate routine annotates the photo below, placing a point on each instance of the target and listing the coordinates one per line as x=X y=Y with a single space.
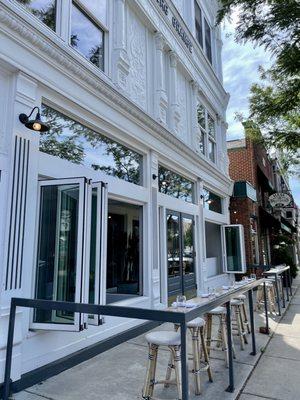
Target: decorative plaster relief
x=182 y=101
x=137 y=56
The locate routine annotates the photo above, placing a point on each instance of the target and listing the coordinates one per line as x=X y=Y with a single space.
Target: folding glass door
x=180 y=255
x=234 y=249
x=71 y=239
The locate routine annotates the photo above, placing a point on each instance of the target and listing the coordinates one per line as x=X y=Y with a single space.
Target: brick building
x=256 y=176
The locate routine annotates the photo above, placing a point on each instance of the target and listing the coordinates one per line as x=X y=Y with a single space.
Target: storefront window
x=212 y=201
x=175 y=185
x=213 y=240
x=75 y=142
x=44 y=10
x=87 y=37
x=124 y=251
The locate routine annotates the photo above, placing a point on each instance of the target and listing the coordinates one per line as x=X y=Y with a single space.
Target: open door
x=234 y=249
x=61 y=269
x=98 y=249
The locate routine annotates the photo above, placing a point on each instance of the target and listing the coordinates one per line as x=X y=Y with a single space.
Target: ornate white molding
x=58 y=54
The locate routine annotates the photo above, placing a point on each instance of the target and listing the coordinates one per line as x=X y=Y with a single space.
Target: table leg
x=287 y=285
x=290 y=281
x=277 y=295
x=282 y=291
x=230 y=353
x=184 y=363
x=266 y=309
x=250 y=296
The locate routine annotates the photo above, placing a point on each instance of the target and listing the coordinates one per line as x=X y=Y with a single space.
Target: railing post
x=9 y=350
x=250 y=295
x=230 y=352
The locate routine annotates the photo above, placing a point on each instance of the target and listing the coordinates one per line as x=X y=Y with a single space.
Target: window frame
x=100 y=251
x=82 y=240
x=98 y=24
x=208 y=137
x=204 y=23
x=243 y=267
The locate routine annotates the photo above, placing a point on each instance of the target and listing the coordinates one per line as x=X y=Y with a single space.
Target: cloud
x=240 y=71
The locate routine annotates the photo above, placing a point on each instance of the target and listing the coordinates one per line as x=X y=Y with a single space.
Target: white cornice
x=57 y=56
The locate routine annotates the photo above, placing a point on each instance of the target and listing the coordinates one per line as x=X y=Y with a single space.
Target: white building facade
x=125 y=198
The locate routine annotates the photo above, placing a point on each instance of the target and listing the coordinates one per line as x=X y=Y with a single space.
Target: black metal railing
x=171 y=316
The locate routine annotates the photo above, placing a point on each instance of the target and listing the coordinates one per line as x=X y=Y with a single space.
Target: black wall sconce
x=154 y=177
x=34 y=124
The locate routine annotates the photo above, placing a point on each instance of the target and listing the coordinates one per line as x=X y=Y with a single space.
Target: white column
x=218 y=57
x=120 y=60
x=175 y=113
x=161 y=99
x=222 y=153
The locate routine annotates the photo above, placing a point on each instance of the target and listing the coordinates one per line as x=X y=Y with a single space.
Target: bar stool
x=244 y=311
x=221 y=340
x=196 y=328
x=238 y=327
x=260 y=300
x=172 y=341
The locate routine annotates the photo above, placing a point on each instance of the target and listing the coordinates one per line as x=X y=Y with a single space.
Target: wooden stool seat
x=218 y=311
x=196 y=323
x=163 y=338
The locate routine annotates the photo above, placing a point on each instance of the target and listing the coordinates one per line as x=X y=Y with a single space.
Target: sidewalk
x=119 y=373
x=277 y=375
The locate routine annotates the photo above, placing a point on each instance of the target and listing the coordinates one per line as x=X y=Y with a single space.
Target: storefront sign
x=176 y=25
x=280 y=199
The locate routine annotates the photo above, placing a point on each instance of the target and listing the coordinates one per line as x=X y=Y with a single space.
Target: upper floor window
x=44 y=10
x=203 y=31
x=79 y=144
x=207 y=139
x=212 y=201
x=175 y=185
x=87 y=36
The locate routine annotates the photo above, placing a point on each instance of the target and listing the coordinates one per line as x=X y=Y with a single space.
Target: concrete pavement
x=119 y=373
x=277 y=374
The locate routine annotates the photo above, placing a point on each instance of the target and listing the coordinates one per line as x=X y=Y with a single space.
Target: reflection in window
x=212 y=201
x=198 y=24
x=57 y=249
x=97 y=8
x=124 y=250
x=74 y=142
x=44 y=10
x=233 y=249
x=87 y=37
x=207 y=40
x=175 y=185
x=213 y=240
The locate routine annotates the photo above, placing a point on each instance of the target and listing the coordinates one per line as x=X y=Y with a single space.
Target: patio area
x=119 y=373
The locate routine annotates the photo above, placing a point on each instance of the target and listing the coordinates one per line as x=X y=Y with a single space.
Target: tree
x=275 y=102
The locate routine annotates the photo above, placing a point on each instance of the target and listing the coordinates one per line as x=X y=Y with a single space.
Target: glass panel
x=233 y=248
x=213 y=249
x=98 y=8
x=202 y=142
x=208 y=41
x=124 y=250
x=211 y=151
x=44 y=10
x=211 y=126
x=198 y=24
x=74 y=142
x=173 y=245
x=212 y=201
x=87 y=37
x=201 y=116
x=175 y=185
x=188 y=265
x=57 y=249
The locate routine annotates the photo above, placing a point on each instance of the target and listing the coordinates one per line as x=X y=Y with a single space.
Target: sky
x=240 y=71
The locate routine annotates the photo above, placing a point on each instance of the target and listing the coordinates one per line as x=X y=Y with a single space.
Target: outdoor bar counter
x=180 y=316
x=278 y=273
